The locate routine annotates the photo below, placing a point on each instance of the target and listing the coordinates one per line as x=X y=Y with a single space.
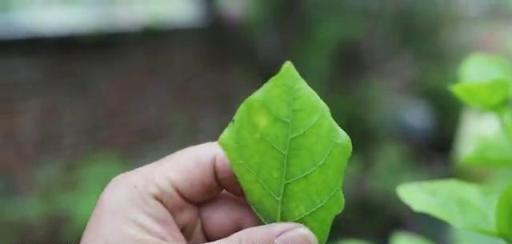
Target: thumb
x=282 y=233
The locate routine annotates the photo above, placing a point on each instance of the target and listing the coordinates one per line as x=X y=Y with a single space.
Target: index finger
x=197 y=173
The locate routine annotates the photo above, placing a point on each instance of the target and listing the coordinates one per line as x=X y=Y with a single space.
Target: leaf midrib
x=285 y=153
x=285 y=162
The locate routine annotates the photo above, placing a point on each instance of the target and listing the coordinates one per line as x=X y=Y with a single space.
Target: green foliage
x=485 y=81
x=392 y=157
x=283 y=145
x=482 y=67
x=87 y=182
x=484 y=139
x=482 y=95
x=353 y=241
x=460 y=236
x=64 y=201
x=403 y=237
x=464 y=205
x=504 y=214
x=398 y=237
x=319 y=31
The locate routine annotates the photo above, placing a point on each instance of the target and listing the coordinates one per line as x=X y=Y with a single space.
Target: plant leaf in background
x=504 y=214
x=288 y=153
x=459 y=236
x=485 y=81
x=485 y=95
x=463 y=205
x=404 y=237
x=398 y=237
x=69 y=191
x=86 y=184
x=353 y=241
x=481 y=212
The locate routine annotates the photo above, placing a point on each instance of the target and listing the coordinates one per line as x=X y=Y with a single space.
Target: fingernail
x=299 y=235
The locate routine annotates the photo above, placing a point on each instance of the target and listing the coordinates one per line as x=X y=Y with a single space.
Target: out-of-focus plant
x=404 y=237
x=461 y=236
x=62 y=202
x=86 y=183
x=484 y=140
x=398 y=237
x=353 y=241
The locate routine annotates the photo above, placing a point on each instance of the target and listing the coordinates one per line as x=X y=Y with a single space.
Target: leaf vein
x=262 y=183
x=267 y=107
x=315 y=167
x=283 y=175
x=307 y=127
x=321 y=204
x=274 y=145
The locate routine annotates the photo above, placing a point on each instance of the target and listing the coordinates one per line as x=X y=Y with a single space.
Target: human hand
x=191 y=196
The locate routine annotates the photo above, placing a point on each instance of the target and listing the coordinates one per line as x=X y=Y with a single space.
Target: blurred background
x=91 y=88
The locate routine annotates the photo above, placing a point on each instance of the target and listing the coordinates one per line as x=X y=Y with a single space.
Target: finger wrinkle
x=217 y=179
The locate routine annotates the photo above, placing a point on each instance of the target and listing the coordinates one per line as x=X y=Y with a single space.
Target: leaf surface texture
x=288 y=153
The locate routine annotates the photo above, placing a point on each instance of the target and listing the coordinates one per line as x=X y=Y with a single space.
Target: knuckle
x=119 y=180
x=116 y=187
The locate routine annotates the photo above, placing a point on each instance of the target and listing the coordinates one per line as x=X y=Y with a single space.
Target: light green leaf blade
x=504 y=214
x=463 y=205
x=486 y=95
x=288 y=153
x=485 y=81
x=483 y=67
x=404 y=237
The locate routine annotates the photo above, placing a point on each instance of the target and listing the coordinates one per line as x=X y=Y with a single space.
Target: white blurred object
x=481 y=140
x=50 y=18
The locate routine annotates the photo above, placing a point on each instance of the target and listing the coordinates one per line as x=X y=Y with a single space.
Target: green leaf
x=288 y=153
x=483 y=67
x=486 y=95
x=404 y=237
x=90 y=178
x=485 y=81
x=463 y=205
x=504 y=214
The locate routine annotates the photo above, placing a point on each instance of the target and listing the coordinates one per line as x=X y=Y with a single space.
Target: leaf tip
x=288 y=69
x=288 y=65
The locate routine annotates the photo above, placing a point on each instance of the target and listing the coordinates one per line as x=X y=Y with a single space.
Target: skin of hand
x=191 y=196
